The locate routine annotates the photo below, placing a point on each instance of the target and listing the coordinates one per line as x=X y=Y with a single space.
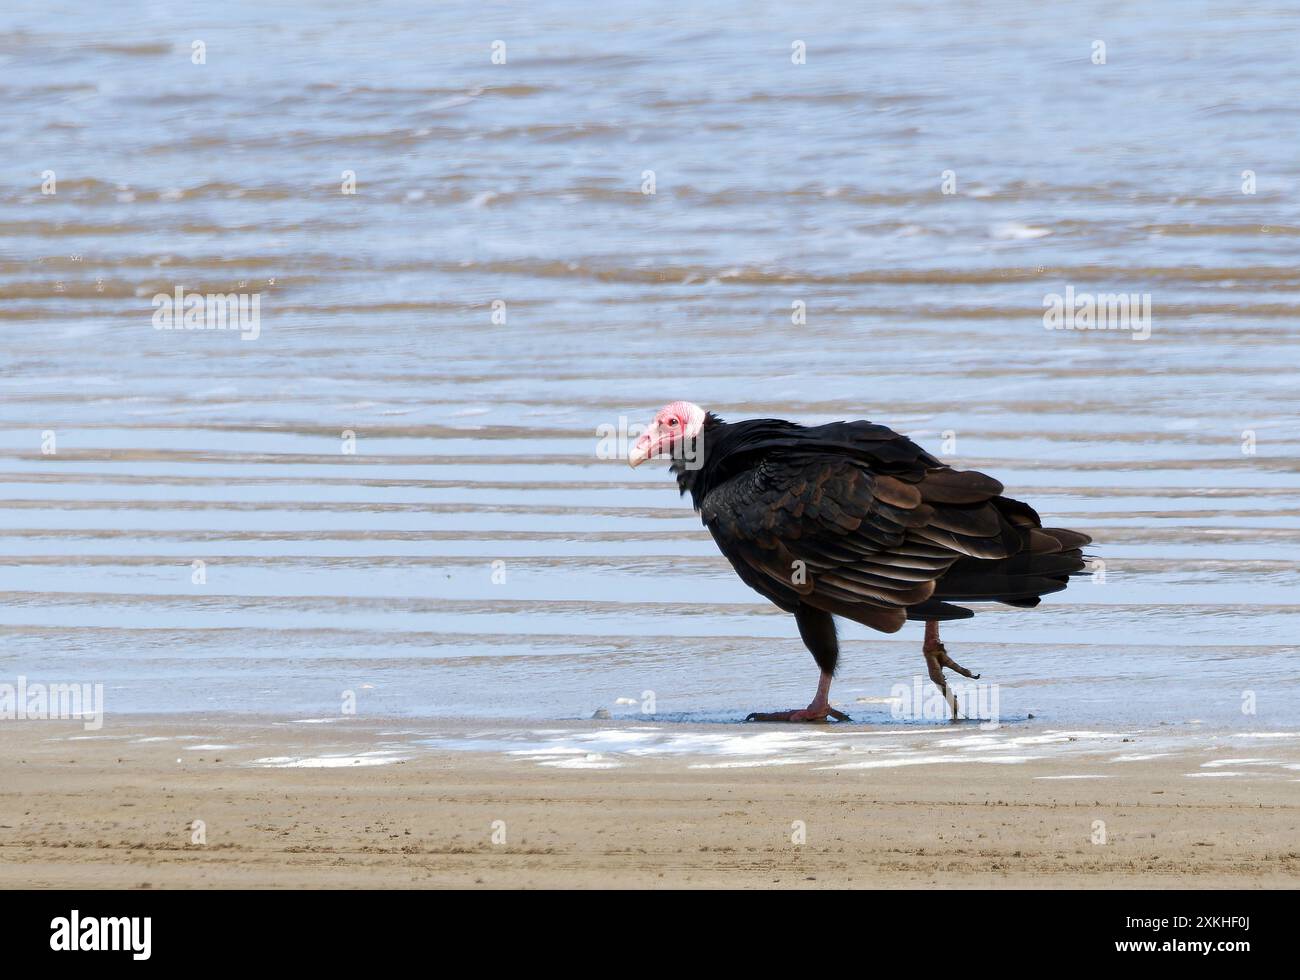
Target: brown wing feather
x=857 y=520
x=831 y=533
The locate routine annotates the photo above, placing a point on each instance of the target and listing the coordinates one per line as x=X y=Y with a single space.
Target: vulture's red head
x=674 y=425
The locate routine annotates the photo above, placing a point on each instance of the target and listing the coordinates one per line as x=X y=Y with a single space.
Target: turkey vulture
x=852 y=519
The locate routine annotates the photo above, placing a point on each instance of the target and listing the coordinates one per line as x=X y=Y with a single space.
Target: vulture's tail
x=1047 y=558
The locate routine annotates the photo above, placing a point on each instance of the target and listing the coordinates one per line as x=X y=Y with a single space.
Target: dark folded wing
x=829 y=530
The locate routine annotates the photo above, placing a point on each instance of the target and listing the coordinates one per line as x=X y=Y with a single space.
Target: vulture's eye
x=672 y=421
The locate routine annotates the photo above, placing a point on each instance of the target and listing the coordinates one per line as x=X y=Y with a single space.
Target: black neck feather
x=724 y=449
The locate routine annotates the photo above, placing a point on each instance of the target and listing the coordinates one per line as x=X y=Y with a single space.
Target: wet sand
x=351 y=804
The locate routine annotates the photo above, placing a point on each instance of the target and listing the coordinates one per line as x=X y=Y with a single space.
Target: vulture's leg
x=936 y=659
x=818 y=631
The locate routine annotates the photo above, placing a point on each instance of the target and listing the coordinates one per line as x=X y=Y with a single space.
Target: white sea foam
x=1266 y=735
x=591 y=760
x=1218 y=763
x=826 y=747
x=1015 y=231
x=380 y=757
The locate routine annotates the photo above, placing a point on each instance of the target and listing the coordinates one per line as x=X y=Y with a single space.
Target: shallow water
x=476 y=441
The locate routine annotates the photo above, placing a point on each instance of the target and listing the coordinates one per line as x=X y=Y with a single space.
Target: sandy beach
x=353 y=804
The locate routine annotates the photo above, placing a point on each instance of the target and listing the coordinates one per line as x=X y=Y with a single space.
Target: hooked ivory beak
x=645 y=447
